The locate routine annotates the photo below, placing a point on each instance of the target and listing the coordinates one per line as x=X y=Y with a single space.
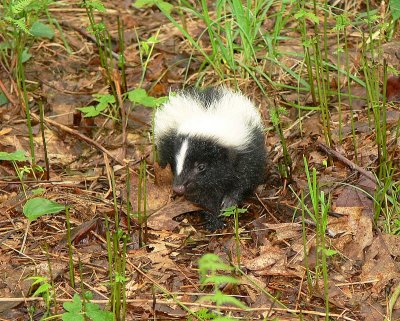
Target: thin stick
x=79 y=135
x=347 y=162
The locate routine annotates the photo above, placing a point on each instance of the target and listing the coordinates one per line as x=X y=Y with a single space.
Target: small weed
x=209 y=265
x=19 y=26
x=43 y=290
x=319 y=214
x=104 y=102
x=235 y=212
x=203 y=314
x=82 y=309
x=21 y=171
x=37 y=207
x=140 y=96
x=275 y=114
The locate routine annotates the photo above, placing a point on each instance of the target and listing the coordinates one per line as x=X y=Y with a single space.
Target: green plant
x=392 y=301
x=19 y=26
x=203 y=314
x=235 y=212
x=104 y=46
x=275 y=114
x=70 y=249
x=342 y=21
x=146 y=48
x=21 y=171
x=43 y=290
x=316 y=63
x=141 y=210
x=209 y=265
x=104 y=102
x=80 y=309
x=236 y=34
x=37 y=207
x=140 y=96
x=319 y=214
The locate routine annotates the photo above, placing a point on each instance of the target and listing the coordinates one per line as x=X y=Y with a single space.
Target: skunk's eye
x=201 y=167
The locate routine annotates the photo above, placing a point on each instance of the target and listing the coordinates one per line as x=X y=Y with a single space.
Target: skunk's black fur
x=212 y=174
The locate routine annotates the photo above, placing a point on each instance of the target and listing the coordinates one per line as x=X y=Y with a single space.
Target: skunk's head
x=202 y=167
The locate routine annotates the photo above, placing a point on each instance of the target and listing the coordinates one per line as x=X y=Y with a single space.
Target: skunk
x=214 y=141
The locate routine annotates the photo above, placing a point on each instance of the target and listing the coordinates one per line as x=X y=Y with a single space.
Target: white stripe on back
x=229 y=120
x=180 y=157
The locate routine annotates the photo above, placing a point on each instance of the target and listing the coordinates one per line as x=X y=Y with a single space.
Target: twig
x=347 y=162
x=80 y=136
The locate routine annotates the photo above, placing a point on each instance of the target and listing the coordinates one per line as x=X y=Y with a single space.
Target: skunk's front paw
x=213 y=222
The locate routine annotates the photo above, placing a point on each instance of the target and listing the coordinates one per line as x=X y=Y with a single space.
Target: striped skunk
x=214 y=141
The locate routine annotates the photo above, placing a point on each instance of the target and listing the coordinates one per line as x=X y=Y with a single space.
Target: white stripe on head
x=180 y=157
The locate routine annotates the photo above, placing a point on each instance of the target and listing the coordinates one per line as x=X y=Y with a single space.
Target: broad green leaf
x=104 y=98
x=94 y=312
x=89 y=111
x=42 y=30
x=74 y=309
x=101 y=107
x=329 y=252
x=37 y=279
x=38 y=191
x=139 y=96
x=75 y=305
x=220 y=279
x=221 y=299
x=165 y=6
x=39 y=206
x=18 y=156
x=212 y=262
x=70 y=316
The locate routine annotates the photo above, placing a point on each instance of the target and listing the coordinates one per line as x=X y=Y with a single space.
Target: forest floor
x=95 y=165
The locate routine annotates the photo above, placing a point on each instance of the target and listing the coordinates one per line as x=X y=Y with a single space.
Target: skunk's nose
x=179 y=189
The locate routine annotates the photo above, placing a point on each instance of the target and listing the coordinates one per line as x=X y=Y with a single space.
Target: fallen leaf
x=379 y=265
x=285 y=231
x=162 y=219
x=358 y=225
x=156 y=196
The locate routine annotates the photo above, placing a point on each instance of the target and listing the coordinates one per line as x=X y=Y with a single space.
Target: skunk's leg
x=213 y=221
x=232 y=199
